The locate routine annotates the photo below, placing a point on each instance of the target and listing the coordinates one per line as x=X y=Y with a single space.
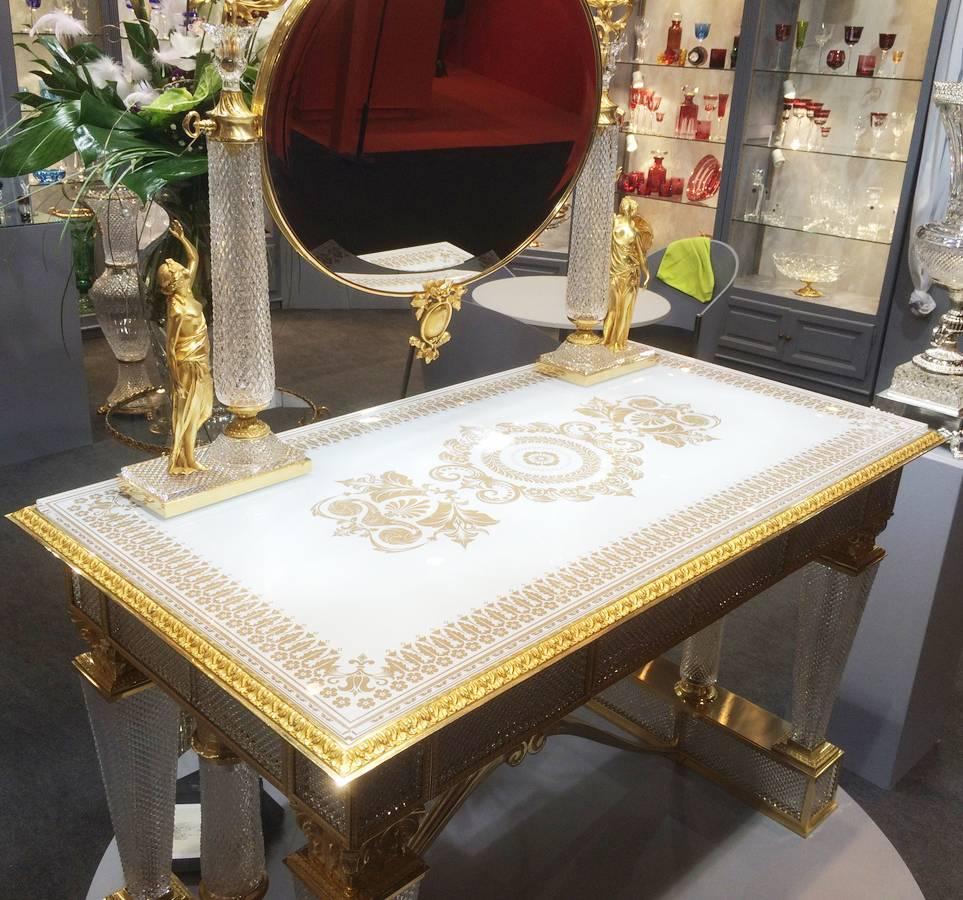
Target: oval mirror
x=416 y=140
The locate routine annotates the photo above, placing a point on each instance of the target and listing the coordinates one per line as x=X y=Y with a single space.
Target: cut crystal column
x=587 y=292
x=243 y=347
x=831 y=604
x=699 y=669
x=136 y=739
x=232 y=845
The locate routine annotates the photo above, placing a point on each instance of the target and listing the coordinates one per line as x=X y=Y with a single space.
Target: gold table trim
x=345 y=762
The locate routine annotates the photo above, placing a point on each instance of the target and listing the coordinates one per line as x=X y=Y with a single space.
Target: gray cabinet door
x=754 y=328
x=830 y=344
x=809 y=347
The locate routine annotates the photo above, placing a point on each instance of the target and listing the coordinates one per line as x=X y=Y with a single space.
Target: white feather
x=181 y=53
x=62 y=24
x=104 y=71
x=137 y=71
x=142 y=95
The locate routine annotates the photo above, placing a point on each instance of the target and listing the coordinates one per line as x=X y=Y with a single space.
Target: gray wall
x=43 y=388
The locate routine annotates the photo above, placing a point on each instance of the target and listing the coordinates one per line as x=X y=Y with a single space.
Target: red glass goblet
x=836 y=59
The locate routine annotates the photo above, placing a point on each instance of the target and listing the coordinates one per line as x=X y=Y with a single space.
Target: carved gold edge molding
x=345 y=762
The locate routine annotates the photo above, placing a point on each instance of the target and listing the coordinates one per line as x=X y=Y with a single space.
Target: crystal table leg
x=699 y=669
x=136 y=739
x=232 y=845
x=831 y=605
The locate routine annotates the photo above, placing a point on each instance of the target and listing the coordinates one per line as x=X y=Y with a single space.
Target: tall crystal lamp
x=247 y=456
x=582 y=358
x=932 y=382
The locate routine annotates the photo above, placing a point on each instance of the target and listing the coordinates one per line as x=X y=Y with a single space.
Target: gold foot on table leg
x=177 y=892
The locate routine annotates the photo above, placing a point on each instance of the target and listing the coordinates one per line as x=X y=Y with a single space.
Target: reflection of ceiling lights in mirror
x=425 y=139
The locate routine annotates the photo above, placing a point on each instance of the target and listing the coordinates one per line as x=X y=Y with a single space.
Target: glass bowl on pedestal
x=810 y=269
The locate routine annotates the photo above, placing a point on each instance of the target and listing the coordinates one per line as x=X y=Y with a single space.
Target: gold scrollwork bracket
x=535 y=744
x=111 y=674
x=434 y=308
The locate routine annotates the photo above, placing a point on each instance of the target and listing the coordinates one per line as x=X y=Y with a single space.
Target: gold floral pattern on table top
x=537 y=461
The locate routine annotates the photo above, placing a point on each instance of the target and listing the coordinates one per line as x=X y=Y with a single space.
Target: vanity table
x=458 y=573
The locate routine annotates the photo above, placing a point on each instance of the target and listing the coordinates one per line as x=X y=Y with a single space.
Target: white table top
x=540 y=300
x=451 y=544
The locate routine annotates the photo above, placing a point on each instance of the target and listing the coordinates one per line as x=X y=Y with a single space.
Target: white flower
x=181 y=53
x=136 y=71
x=142 y=95
x=104 y=71
x=62 y=24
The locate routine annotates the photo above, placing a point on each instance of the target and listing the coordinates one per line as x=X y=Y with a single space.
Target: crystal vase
x=118 y=297
x=940 y=244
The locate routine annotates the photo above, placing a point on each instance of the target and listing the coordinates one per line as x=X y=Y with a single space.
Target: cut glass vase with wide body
x=118 y=296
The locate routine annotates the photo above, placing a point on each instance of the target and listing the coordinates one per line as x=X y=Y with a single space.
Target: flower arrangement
x=123 y=119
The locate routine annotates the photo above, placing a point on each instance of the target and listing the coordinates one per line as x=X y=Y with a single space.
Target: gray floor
x=52 y=810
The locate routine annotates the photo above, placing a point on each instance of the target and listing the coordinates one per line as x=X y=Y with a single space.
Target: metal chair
x=679 y=331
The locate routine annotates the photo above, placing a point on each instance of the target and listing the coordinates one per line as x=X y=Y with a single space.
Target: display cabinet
x=818 y=193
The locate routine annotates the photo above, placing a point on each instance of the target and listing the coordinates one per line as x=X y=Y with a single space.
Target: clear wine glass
x=898 y=123
x=642 y=28
x=860 y=127
x=823 y=35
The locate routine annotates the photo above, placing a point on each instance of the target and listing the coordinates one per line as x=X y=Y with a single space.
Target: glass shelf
x=827 y=74
x=649 y=65
x=719 y=142
x=677 y=201
x=830 y=151
x=789 y=225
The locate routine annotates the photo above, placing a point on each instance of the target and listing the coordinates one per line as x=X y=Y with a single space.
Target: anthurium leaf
x=26 y=98
x=94 y=111
x=142 y=42
x=94 y=141
x=40 y=140
x=147 y=181
x=84 y=53
x=208 y=83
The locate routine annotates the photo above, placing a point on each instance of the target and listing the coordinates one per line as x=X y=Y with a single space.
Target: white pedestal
x=893 y=698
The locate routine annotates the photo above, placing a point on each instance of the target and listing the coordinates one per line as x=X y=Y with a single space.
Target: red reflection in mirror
x=397 y=124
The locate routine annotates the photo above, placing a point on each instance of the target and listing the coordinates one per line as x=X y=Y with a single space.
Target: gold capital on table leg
x=232 y=843
x=384 y=867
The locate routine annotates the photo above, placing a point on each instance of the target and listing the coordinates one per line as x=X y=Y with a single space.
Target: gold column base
x=258 y=893
x=177 y=892
x=150 y=485
x=732 y=742
x=585 y=363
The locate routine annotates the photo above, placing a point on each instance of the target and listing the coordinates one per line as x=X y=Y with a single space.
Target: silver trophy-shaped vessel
x=933 y=382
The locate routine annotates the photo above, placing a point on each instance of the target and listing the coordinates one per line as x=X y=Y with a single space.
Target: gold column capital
x=108 y=672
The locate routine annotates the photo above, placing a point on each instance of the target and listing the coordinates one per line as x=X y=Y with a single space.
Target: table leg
x=135 y=729
x=831 y=604
x=699 y=670
x=232 y=843
x=383 y=867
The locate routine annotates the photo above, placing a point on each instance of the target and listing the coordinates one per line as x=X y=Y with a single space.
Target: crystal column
x=136 y=739
x=232 y=845
x=243 y=346
x=831 y=605
x=587 y=293
x=699 y=669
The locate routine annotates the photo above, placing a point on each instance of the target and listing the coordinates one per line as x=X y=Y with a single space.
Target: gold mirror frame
x=291 y=17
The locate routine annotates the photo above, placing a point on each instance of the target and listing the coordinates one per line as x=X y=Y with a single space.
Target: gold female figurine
x=631 y=240
x=188 y=357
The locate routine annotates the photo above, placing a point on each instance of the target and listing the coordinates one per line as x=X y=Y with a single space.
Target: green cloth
x=687 y=267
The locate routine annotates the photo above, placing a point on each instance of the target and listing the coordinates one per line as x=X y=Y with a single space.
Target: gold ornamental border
x=345 y=762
